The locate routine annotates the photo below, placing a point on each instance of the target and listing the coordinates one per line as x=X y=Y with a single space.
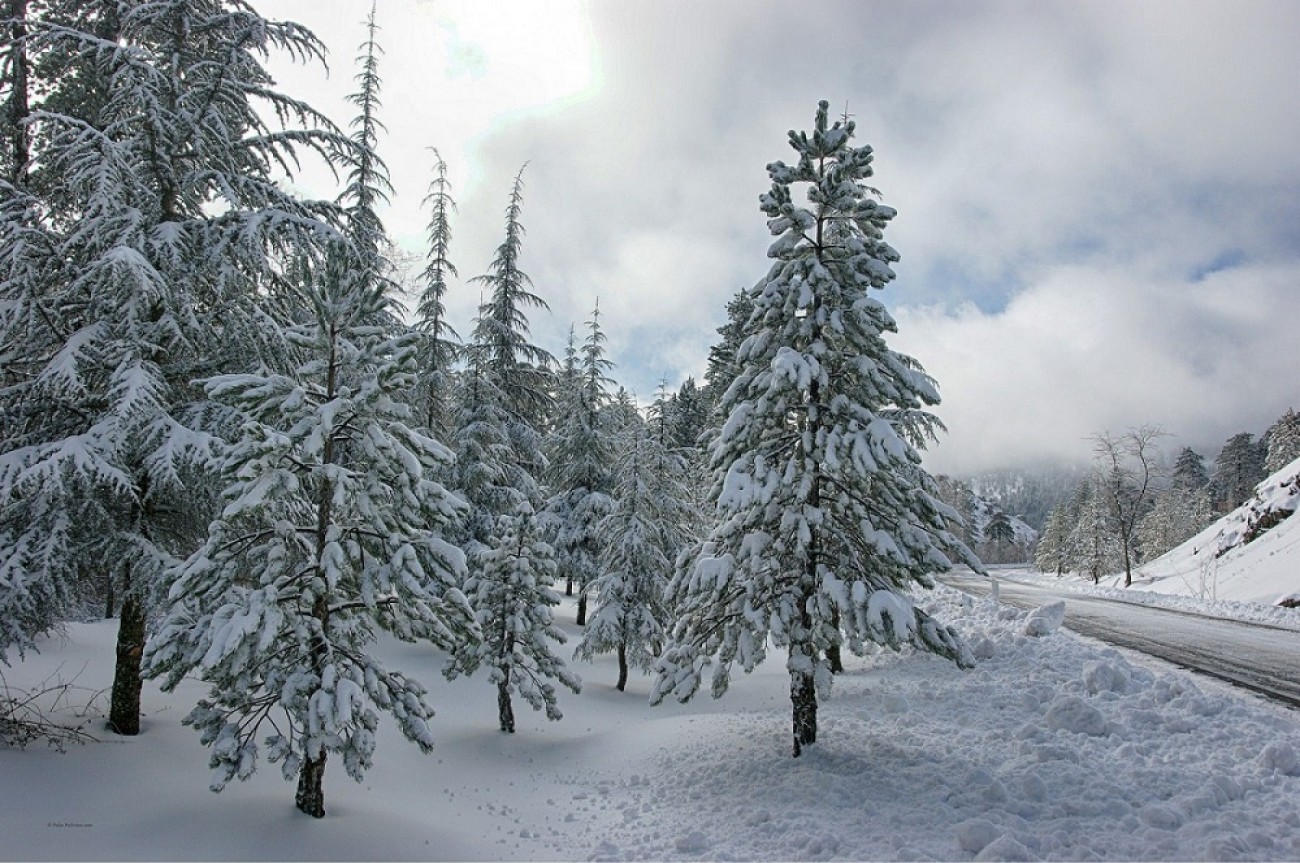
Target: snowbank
x=1050 y=748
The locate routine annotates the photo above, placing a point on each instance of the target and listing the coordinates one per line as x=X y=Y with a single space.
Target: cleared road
x=1264 y=659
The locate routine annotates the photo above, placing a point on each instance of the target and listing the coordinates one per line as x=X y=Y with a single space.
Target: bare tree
x=1128 y=467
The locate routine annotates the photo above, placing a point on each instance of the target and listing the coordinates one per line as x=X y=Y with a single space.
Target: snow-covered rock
x=1046 y=619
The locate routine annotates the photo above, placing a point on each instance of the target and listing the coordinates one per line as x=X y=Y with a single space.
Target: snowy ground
x=1052 y=748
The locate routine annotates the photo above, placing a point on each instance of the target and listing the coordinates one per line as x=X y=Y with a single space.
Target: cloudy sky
x=1099 y=203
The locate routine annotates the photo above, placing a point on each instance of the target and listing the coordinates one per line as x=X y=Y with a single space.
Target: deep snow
x=1051 y=748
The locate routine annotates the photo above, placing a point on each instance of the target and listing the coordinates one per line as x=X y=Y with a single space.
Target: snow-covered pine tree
x=332 y=528
x=1052 y=551
x=511 y=591
x=687 y=414
x=641 y=539
x=505 y=390
x=440 y=346
x=825 y=516
x=581 y=454
x=149 y=257
x=622 y=413
x=1093 y=549
x=567 y=402
x=1283 y=438
x=519 y=367
x=1189 y=473
x=331 y=531
x=486 y=473
x=1237 y=470
x=722 y=363
x=683 y=467
x=999 y=534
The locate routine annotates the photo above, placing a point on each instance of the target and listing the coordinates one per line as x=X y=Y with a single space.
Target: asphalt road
x=1261 y=658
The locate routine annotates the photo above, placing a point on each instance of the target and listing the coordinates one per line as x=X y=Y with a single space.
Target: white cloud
x=1089 y=349
x=1064 y=173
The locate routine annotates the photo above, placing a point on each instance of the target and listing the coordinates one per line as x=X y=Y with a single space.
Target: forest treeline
x=1137 y=500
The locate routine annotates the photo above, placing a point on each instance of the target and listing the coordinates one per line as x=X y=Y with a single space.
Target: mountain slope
x=1252 y=554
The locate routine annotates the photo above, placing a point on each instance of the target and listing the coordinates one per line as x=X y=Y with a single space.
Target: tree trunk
x=18 y=110
x=833 y=657
x=621 y=686
x=124 y=708
x=568 y=585
x=310 y=798
x=110 y=598
x=582 y=607
x=505 y=711
x=803 y=695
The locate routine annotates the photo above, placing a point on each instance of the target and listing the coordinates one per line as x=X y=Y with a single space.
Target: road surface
x=1262 y=658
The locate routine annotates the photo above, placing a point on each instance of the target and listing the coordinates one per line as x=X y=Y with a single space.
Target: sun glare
x=527 y=54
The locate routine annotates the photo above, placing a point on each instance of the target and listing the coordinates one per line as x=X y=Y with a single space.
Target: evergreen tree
x=687 y=414
x=15 y=95
x=154 y=260
x=1052 y=552
x=1189 y=474
x=332 y=526
x=722 y=364
x=367 y=183
x=568 y=402
x=1092 y=545
x=521 y=369
x=641 y=538
x=439 y=349
x=1237 y=470
x=825 y=515
x=487 y=474
x=505 y=390
x=330 y=532
x=582 y=454
x=1283 y=442
x=622 y=413
x=513 y=597
x=999 y=532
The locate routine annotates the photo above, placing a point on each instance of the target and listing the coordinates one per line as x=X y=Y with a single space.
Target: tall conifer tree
x=825 y=516
x=439 y=349
x=506 y=391
x=582 y=453
x=641 y=538
x=332 y=527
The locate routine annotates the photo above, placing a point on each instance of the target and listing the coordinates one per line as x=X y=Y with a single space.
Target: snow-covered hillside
x=1250 y=555
x=1051 y=748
